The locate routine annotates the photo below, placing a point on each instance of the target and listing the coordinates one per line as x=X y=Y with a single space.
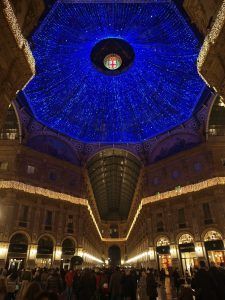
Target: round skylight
x=112 y=61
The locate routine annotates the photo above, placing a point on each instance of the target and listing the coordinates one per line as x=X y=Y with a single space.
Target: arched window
x=185 y=239
x=163 y=241
x=68 y=247
x=217 y=118
x=212 y=235
x=18 y=243
x=45 y=246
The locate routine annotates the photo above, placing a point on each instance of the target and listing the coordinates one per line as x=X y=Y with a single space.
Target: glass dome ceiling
x=159 y=90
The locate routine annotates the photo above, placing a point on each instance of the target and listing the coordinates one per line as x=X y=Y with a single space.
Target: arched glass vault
x=113 y=175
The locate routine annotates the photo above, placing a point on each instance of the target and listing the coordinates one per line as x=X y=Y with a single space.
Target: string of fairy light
x=179 y=191
x=158 y=92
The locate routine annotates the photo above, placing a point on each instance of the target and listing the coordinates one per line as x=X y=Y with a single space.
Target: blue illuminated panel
x=159 y=91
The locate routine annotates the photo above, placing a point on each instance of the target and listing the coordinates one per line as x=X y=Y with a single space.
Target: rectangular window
x=181 y=218
x=160 y=226
x=23 y=217
x=4 y=165
x=70 y=224
x=30 y=169
x=159 y=222
x=48 y=220
x=207 y=213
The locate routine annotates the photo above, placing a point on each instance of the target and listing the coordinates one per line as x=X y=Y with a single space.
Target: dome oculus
x=112 y=61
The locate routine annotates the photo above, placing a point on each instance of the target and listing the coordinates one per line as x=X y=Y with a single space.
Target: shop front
x=163 y=254
x=44 y=252
x=17 y=252
x=187 y=253
x=214 y=247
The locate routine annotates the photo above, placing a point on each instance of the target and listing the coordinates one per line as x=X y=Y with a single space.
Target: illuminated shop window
x=163 y=241
x=186 y=239
x=112 y=61
x=212 y=235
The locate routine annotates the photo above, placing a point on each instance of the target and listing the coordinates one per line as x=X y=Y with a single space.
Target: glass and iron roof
x=113 y=174
x=153 y=87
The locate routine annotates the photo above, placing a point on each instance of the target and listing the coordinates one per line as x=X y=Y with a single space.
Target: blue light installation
x=159 y=91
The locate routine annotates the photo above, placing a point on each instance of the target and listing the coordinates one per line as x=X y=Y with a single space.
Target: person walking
x=128 y=287
x=69 y=284
x=115 y=285
x=185 y=292
x=12 y=281
x=151 y=286
x=162 y=276
x=218 y=277
x=32 y=290
x=87 y=285
x=53 y=282
x=176 y=280
x=204 y=285
x=142 y=286
x=3 y=288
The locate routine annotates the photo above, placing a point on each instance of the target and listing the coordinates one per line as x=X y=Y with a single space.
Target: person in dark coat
x=176 y=279
x=218 y=277
x=115 y=285
x=134 y=278
x=128 y=286
x=162 y=276
x=203 y=284
x=186 y=292
x=151 y=286
x=87 y=285
x=53 y=282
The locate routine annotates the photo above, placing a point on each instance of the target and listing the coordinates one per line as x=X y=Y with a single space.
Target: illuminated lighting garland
x=158 y=92
x=211 y=38
x=192 y=188
x=137 y=257
x=91 y=257
x=19 y=38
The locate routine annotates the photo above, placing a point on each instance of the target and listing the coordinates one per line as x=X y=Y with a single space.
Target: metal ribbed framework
x=158 y=89
x=113 y=175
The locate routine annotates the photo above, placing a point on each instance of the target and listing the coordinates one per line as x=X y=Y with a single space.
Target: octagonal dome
x=157 y=90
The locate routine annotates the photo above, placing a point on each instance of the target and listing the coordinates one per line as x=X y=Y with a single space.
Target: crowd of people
x=111 y=284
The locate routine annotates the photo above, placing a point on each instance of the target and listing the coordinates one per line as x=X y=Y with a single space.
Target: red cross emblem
x=113 y=63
